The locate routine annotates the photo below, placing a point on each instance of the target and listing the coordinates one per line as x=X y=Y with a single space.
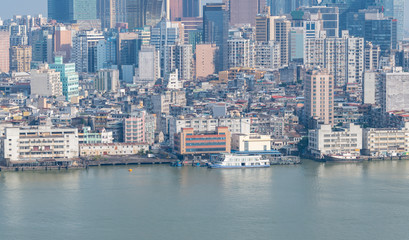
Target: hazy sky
x=23 y=7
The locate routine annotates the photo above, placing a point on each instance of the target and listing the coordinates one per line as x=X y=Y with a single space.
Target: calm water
x=310 y=201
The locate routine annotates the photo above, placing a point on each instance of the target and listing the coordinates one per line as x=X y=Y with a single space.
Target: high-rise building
x=67 y=11
x=191 y=8
x=393 y=90
x=149 y=64
x=395 y=9
x=319 y=98
x=144 y=12
x=45 y=82
x=281 y=7
x=84 y=52
x=328 y=17
x=372 y=56
x=107 y=52
x=267 y=55
x=106 y=13
x=342 y=57
x=216 y=30
x=374 y=27
x=4 y=51
x=274 y=28
x=163 y=34
x=245 y=11
x=134 y=128
x=128 y=46
x=20 y=58
x=62 y=43
x=68 y=77
x=296 y=44
x=175 y=10
x=107 y=80
x=205 y=56
x=111 y=12
x=241 y=52
x=41 y=41
x=179 y=57
x=18 y=35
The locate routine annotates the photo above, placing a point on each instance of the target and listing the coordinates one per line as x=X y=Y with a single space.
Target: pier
x=82 y=163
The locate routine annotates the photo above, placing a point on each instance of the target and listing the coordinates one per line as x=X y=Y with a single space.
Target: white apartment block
x=342 y=57
x=45 y=82
x=39 y=143
x=267 y=55
x=328 y=141
x=386 y=142
x=394 y=91
x=241 y=52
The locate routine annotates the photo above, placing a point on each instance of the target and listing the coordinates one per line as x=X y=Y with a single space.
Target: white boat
x=238 y=161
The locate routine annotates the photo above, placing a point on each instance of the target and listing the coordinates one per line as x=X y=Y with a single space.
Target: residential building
x=4 y=51
x=107 y=80
x=342 y=57
x=134 y=128
x=20 y=58
x=319 y=90
x=393 y=91
x=241 y=52
x=149 y=64
x=205 y=59
x=274 y=28
x=267 y=55
x=87 y=136
x=46 y=82
x=68 y=77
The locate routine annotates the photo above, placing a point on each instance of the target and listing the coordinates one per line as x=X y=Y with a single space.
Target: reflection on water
x=309 y=201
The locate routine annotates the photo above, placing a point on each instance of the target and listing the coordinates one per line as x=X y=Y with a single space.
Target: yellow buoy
x=130 y=170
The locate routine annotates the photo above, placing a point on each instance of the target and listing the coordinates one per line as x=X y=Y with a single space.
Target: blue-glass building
x=72 y=10
x=216 y=30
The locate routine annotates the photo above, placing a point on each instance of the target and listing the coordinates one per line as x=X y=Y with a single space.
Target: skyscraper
x=72 y=10
x=4 y=51
x=216 y=30
x=175 y=10
x=144 y=12
x=191 y=8
x=395 y=9
x=274 y=28
x=111 y=12
x=84 y=52
x=244 y=11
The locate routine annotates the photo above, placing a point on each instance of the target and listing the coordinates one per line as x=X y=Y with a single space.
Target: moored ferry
x=238 y=161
